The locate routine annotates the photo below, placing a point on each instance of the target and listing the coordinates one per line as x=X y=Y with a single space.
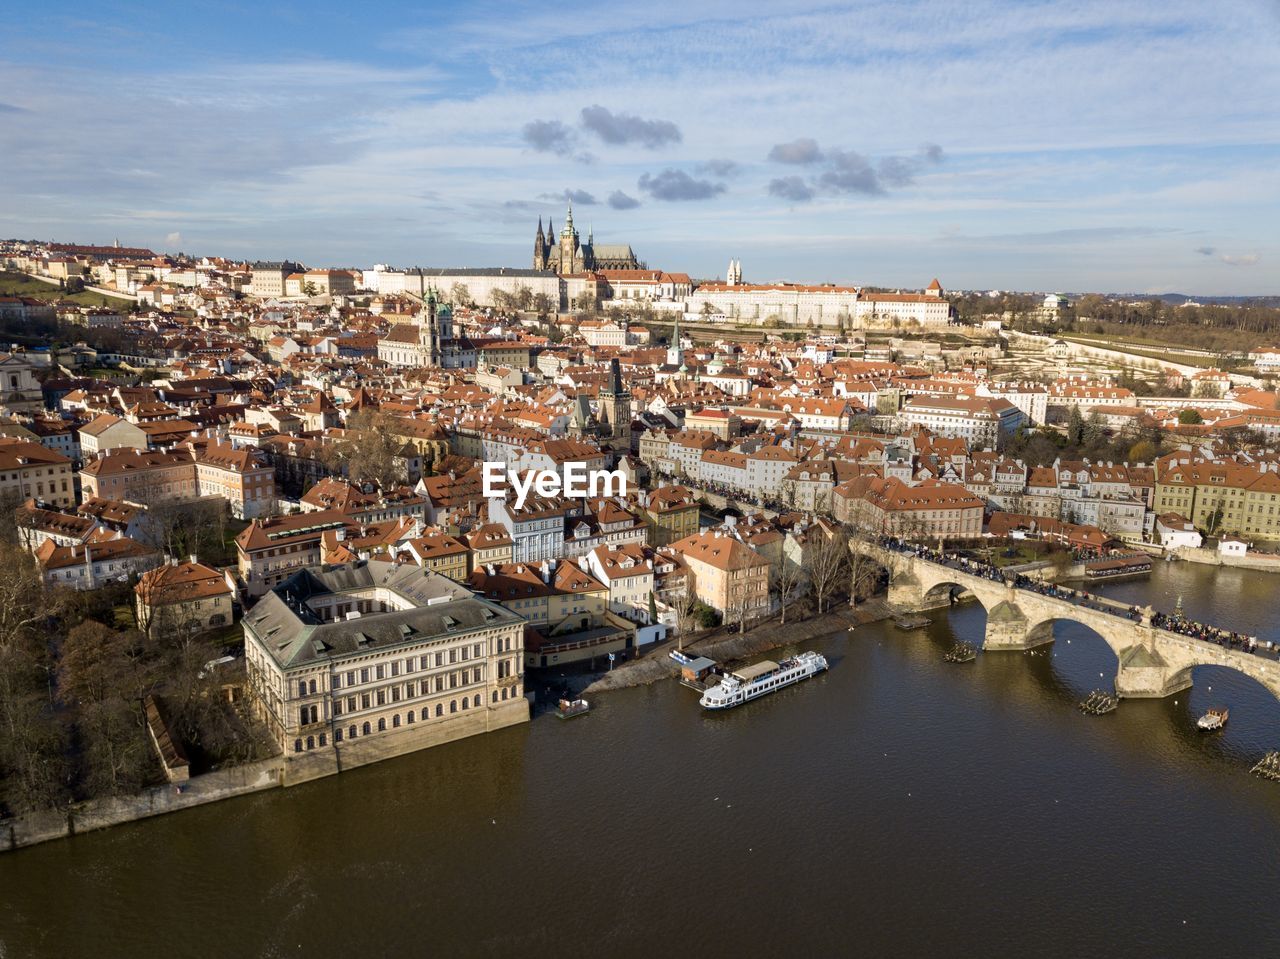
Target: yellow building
x=1222 y=498
x=442 y=554
x=671 y=513
x=30 y=471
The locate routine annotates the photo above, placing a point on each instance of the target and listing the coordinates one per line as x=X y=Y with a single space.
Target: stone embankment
x=1263 y=562
x=93 y=814
x=726 y=647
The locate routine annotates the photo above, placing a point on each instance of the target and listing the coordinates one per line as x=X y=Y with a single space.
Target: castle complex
x=565 y=255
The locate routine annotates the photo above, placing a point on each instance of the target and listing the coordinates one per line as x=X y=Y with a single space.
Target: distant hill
x=1179 y=298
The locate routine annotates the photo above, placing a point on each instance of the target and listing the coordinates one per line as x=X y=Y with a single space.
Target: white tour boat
x=752 y=682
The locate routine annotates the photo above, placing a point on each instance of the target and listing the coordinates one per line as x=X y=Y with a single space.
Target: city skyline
x=952 y=145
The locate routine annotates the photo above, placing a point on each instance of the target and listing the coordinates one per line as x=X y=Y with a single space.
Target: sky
x=1098 y=145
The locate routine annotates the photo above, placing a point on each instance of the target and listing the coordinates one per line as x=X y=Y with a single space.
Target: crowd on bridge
x=1173 y=622
x=1177 y=623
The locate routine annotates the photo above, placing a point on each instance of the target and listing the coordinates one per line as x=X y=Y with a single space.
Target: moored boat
x=909 y=623
x=1117 y=567
x=568 y=708
x=1213 y=720
x=760 y=679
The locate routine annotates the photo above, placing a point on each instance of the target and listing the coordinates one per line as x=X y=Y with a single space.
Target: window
x=337 y=736
x=382 y=725
x=322 y=739
x=439 y=709
x=474 y=702
x=364 y=675
x=351 y=733
x=302 y=688
x=311 y=742
x=297 y=745
x=366 y=729
x=453 y=706
x=395 y=721
x=312 y=684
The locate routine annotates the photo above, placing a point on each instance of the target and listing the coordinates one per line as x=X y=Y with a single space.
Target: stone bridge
x=1153 y=662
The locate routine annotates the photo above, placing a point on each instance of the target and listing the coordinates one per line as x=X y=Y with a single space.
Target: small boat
x=961 y=653
x=1213 y=720
x=908 y=623
x=568 y=708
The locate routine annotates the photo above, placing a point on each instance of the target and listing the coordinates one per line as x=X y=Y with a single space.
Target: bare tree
x=826 y=563
x=685 y=605
x=788 y=584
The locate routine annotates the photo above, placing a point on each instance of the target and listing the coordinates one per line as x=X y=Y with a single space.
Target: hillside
x=19 y=284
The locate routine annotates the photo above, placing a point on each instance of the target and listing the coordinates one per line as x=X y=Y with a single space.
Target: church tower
x=568 y=245
x=429 y=331
x=615 y=407
x=675 y=352
x=540 y=249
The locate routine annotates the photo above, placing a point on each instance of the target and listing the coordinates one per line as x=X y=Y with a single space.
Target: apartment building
x=182 y=596
x=929 y=511
x=728 y=575
x=30 y=471
x=271 y=550
x=671 y=513
x=240 y=476
x=627 y=571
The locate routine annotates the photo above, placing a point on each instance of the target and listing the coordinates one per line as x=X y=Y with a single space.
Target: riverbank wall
x=45 y=825
x=38 y=827
x=726 y=647
x=1263 y=562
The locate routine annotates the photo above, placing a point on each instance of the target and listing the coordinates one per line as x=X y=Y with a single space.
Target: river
x=895 y=806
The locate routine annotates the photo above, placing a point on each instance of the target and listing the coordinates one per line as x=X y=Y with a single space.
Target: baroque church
x=429 y=341
x=565 y=254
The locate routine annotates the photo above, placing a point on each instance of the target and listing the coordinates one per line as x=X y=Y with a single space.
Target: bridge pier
x=905 y=591
x=1007 y=629
x=1144 y=674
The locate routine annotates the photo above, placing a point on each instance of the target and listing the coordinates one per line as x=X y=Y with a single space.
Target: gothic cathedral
x=565 y=254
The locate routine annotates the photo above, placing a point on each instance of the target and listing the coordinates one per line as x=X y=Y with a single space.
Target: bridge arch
x=1040 y=630
x=1266 y=679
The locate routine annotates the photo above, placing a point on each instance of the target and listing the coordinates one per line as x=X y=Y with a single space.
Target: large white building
x=791 y=304
x=356 y=663
x=977 y=420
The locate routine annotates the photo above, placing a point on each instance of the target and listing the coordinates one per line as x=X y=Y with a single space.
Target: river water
x=895 y=806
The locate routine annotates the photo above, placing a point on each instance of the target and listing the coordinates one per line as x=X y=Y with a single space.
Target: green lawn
x=17 y=284
x=123 y=617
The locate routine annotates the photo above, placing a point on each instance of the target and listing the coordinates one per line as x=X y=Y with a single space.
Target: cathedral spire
x=568 y=220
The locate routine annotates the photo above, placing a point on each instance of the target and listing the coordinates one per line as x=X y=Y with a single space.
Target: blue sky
x=1115 y=146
